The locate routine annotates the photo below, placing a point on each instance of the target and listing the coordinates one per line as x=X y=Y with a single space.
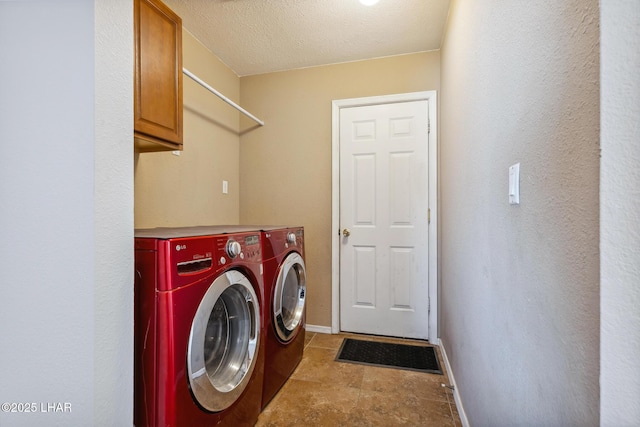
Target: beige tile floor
x=323 y=392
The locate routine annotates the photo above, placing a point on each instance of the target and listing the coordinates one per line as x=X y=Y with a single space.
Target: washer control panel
x=233 y=248
x=238 y=247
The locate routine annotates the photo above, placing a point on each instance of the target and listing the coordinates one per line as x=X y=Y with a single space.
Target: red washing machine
x=199 y=347
x=284 y=312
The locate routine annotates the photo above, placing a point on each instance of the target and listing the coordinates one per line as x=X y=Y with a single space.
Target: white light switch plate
x=225 y=187
x=514 y=184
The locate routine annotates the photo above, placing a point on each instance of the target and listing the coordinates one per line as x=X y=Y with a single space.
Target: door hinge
x=428 y=126
x=429 y=216
x=428 y=304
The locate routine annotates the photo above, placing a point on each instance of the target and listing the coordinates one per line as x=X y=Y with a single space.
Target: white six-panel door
x=384 y=176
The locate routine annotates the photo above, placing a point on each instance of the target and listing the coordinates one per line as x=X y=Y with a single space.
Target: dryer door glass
x=289 y=297
x=224 y=342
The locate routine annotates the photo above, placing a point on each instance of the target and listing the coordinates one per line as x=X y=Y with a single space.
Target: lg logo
x=181 y=247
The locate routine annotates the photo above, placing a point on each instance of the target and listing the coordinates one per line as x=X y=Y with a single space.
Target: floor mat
x=399 y=356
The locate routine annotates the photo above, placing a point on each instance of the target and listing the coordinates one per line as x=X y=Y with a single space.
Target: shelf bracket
x=221 y=96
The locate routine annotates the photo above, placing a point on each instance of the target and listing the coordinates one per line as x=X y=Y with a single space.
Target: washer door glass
x=289 y=297
x=223 y=342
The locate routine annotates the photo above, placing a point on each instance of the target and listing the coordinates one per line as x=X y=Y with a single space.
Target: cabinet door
x=158 y=76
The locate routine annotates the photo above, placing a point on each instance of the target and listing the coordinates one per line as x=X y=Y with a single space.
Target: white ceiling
x=262 y=36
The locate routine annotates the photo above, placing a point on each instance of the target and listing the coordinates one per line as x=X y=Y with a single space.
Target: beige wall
x=520 y=284
x=285 y=166
x=186 y=190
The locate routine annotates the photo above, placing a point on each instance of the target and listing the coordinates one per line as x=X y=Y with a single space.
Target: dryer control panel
x=278 y=242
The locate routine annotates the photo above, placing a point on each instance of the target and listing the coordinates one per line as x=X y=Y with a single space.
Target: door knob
x=346 y=232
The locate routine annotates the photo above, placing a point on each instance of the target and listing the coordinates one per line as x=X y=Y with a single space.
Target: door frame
x=336 y=106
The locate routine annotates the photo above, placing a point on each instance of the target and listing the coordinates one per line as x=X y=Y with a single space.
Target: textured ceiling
x=262 y=36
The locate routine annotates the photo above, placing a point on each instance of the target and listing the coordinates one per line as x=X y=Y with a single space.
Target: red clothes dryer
x=199 y=347
x=285 y=287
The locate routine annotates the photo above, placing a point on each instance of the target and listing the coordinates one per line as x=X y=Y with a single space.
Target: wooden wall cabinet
x=157 y=77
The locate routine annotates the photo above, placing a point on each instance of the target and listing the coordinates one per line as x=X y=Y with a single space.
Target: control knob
x=233 y=248
x=291 y=238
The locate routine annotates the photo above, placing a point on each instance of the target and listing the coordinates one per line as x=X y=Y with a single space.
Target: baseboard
x=318 y=329
x=452 y=380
